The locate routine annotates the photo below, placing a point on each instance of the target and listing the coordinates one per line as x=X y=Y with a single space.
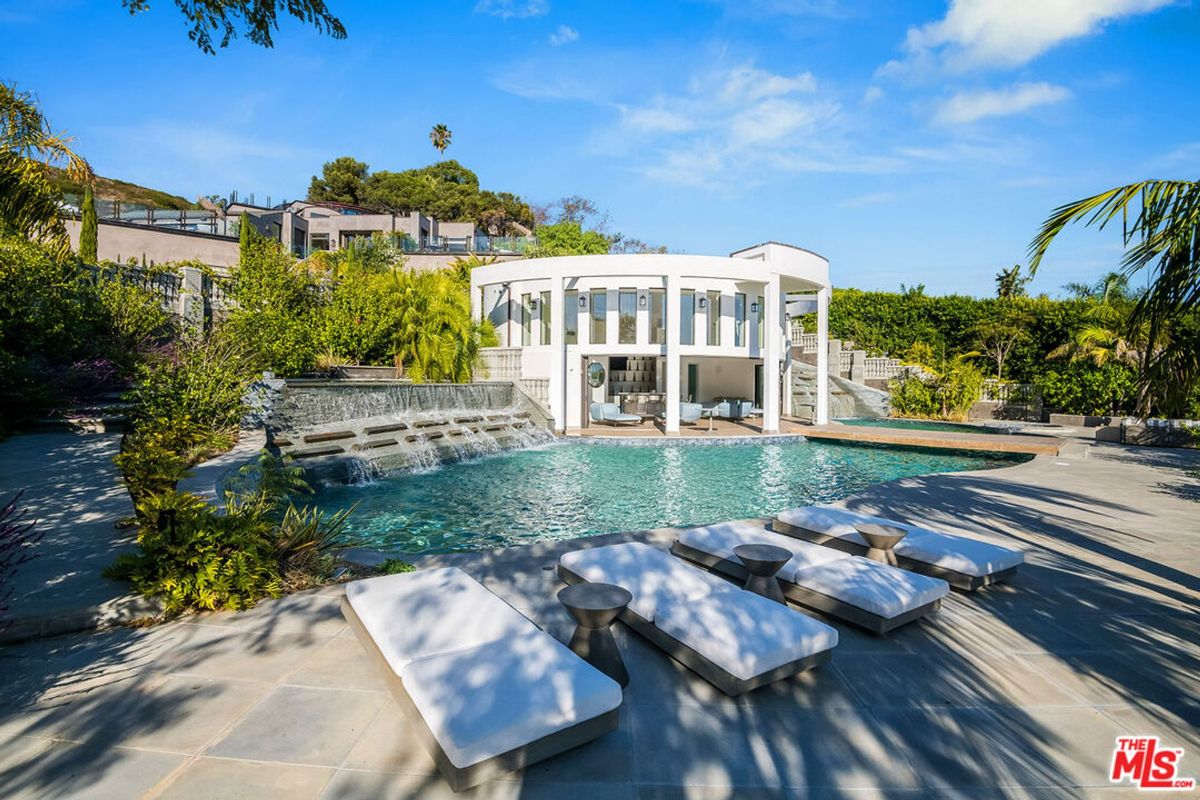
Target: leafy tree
x=342 y=180
x=446 y=191
x=29 y=148
x=1011 y=283
x=440 y=137
x=1002 y=328
x=255 y=18
x=89 y=228
x=568 y=238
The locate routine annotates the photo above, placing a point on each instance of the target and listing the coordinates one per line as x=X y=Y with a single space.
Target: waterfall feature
x=846 y=398
x=358 y=430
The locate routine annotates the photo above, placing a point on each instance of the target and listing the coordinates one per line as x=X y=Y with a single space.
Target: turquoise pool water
x=567 y=490
x=922 y=425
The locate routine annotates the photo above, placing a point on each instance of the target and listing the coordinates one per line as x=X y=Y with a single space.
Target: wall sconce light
x=642 y=301
x=754 y=308
x=583 y=301
x=504 y=288
x=533 y=303
x=703 y=303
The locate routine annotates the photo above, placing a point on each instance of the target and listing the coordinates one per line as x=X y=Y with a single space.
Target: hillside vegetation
x=113 y=189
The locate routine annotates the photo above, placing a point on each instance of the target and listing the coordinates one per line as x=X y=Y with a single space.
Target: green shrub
x=158 y=452
x=201 y=379
x=912 y=396
x=395 y=566
x=276 y=309
x=134 y=322
x=194 y=558
x=1083 y=388
x=947 y=393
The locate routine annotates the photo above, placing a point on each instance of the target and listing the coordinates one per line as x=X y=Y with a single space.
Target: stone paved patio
x=1017 y=691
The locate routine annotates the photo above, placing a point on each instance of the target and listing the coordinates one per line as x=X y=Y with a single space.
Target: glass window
x=545 y=318
x=714 y=319
x=627 y=317
x=571 y=317
x=658 y=316
x=318 y=241
x=739 y=320
x=599 y=316
x=760 y=320
x=687 y=317
x=526 y=320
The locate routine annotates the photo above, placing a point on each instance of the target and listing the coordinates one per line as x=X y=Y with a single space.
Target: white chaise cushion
x=742 y=633
x=719 y=540
x=877 y=588
x=432 y=611
x=485 y=700
x=957 y=553
x=654 y=578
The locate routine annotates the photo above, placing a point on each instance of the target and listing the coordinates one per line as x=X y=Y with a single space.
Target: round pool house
x=654 y=335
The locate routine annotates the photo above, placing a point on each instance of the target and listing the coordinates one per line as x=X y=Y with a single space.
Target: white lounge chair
x=966 y=563
x=866 y=593
x=732 y=638
x=487 y=690
x=613 y=415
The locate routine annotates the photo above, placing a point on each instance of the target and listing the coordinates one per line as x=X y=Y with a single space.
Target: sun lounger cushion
x=654 y=582
x=882 y=590
x=424 y=613
x=719 y=540
x=957 y=553
x=742 y=633
x=483 y=678
x=483 y=700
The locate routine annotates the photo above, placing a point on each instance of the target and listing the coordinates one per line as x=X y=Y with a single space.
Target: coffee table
x=881 y=539
x=594 y=607
x=763 y=561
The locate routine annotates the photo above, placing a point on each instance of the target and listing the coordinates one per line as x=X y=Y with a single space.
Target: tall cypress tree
x=88 y=230
x=246 y=234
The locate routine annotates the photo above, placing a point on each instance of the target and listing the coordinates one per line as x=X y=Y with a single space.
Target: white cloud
x=966 y=107
x=656 y=120
x=747 y=83
x=509 y=9
x=872 y=94
x=1009 y=33
x=564 y=35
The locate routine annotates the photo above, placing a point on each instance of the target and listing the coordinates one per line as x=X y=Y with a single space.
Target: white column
x=671 y=306
x=821 y=414
x=787 y=365
x=558 y=366
x=477 y=303
x=774 y=344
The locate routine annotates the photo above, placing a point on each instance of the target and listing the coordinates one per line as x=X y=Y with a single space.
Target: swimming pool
x=566 y=490
x=922 y=425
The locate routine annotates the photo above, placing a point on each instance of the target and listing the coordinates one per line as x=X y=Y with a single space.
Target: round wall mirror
x=595 y=374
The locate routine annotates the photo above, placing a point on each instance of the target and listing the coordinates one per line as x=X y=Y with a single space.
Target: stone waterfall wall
x=347 y=430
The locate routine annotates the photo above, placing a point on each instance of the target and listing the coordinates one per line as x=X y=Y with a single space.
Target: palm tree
x=1161 y=232
x=440 y=136
x=30 y=205
x=1164 y=236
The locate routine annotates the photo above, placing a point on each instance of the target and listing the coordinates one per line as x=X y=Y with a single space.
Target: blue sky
x=909 y=142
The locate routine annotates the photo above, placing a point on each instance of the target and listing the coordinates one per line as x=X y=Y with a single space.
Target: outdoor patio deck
x=1016 y=691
